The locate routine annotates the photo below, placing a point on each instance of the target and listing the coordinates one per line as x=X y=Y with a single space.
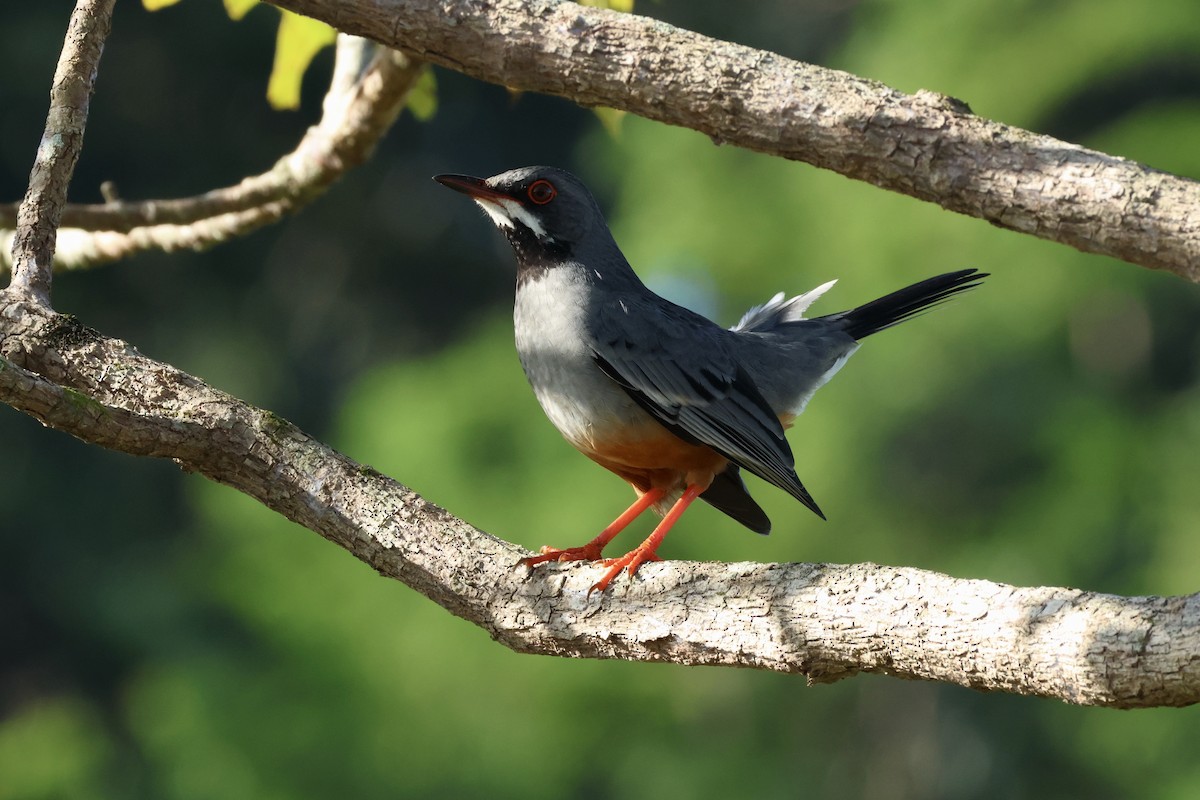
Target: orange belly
x=649 y=456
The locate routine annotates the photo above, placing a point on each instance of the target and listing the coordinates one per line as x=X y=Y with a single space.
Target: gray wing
x=678 y=367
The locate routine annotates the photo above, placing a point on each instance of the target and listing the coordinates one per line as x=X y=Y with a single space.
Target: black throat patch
x=535 y=256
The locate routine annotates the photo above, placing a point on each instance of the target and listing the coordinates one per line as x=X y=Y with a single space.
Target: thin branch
x=358 y=110
x=33 y=245
x=823 y=620
x=926 y=145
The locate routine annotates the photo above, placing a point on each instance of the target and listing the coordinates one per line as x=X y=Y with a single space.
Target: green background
x=165 y=637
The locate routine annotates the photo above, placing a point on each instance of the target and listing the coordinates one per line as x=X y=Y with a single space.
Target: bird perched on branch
x=671 y=402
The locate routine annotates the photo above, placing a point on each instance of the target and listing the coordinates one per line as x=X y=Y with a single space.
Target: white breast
x=558 y=360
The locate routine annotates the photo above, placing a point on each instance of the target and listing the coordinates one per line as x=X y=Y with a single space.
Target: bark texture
x=74 y=79
x=826 y=621
x=926 y=145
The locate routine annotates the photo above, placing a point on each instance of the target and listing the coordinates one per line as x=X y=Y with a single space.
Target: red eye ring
x=541 y=192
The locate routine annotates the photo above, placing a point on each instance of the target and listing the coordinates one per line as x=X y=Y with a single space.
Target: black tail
x=728 y=493
x=906 y=303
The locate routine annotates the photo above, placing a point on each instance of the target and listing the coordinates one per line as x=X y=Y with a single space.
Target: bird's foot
x=588 y=552
x=647 y=550
x=591 y=552
x=628 y=562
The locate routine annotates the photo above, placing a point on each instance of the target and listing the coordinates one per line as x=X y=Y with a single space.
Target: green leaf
x=236 y=9
x=299 y=40
x=422 y=98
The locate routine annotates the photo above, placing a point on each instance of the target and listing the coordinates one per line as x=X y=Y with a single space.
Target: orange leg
x=646 y=551
x=591 y=550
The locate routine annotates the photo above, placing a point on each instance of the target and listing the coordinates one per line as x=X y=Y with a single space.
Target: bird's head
x=542 y=210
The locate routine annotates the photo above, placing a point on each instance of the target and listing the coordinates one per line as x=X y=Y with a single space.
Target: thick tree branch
x=926 y=145
x=74 y=80
x=823 y=620
x=358 y=110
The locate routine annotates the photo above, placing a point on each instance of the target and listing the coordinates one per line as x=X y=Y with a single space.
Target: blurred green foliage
x=164 y=637
x=297 y=43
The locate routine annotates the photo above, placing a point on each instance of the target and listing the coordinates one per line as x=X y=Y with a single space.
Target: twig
x=358 y=110
x=33 y=244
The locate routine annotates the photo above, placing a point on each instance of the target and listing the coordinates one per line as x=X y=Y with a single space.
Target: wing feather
x=684 y=375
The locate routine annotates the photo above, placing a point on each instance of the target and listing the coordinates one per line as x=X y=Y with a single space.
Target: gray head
x=548 y=215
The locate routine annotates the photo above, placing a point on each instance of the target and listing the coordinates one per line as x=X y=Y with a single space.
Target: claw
x=588 y=552
x=628 y=562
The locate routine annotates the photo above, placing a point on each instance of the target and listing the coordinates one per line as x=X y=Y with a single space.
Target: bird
x=668 y=400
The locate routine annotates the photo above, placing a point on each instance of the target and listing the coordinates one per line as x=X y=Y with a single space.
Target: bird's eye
x=542 y=192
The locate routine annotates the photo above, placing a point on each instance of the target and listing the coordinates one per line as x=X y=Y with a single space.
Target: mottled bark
x=925 y=145
x=40 y=211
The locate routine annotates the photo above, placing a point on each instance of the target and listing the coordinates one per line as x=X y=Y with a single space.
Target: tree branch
x=826 y=621
x=926 y=145
x=74 y=79
x=358 y=110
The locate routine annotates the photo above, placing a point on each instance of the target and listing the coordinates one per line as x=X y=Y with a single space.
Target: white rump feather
x=777 y=310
